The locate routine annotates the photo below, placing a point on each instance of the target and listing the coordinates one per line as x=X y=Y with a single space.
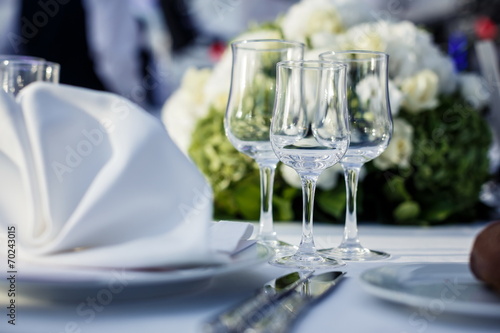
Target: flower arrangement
x=434 y=167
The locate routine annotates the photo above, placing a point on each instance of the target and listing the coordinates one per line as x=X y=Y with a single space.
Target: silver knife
x=251 y=311
x=294 y=304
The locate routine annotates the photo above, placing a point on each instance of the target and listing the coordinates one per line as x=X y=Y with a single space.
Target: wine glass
x=248 y=116
x=16 y=72
x=371 y=130
x=309 y=133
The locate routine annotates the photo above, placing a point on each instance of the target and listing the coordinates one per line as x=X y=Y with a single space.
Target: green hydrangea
x=223 y=165
x=234 y=176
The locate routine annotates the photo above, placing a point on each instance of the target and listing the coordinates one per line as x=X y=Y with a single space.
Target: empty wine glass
x=371 y=130
x=17 y=72
x=309 y=133
x=248 y=115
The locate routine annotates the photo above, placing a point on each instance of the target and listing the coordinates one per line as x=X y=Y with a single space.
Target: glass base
x=354 y=254
x=280 y=248
x=302 y=261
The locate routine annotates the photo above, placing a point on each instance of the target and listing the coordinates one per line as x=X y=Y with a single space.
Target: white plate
x=441 y=287
x=77 y=283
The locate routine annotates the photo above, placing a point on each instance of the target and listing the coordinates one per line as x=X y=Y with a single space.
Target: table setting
x=115 y=220
x=347 y=307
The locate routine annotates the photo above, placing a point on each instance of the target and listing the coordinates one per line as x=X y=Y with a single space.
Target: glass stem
x=351 y=174
x=266 y=231
x=308 y=190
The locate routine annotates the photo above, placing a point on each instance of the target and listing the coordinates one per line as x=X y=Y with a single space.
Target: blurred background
x=141 y=48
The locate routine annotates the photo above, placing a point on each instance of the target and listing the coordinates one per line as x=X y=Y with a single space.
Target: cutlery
x=276 y=305
x=249 y=312
x=295 y=303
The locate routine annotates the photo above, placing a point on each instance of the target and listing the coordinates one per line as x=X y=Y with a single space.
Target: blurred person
x=96 y=42
x=226 y=19
x=167 y=35
x=179 y=23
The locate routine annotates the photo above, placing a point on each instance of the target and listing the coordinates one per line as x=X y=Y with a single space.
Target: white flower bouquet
x=434 y=167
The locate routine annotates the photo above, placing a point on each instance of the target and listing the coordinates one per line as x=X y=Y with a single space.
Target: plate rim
x=402 y=297
x=180 y=275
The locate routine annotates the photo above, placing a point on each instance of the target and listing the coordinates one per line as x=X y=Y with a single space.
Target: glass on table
x=19 y=71
x=371 y=131
x=248 y=116
x=309 y=133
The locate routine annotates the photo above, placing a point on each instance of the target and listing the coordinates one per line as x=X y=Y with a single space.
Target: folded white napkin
x=90 y=179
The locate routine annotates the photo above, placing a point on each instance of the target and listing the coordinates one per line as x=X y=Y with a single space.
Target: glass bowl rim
x=317 y=64
x=244 y=44
x=377 y=55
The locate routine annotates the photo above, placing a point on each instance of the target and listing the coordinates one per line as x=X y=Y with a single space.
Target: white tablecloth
x=348 y=309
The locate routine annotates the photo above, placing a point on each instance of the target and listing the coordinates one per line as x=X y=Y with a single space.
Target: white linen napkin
x=90 y=179
x=223 y=240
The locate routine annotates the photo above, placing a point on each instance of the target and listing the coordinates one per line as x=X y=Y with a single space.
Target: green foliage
x=233 y=175
x=331 y=203
x=225 y=168
x=257 y=103
x=442 y=184
x=448 y=167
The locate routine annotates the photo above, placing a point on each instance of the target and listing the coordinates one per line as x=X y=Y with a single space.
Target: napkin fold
x=89 y=178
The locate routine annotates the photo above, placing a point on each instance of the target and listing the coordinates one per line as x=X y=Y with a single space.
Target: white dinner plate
x=75 y=283
x=439 y=287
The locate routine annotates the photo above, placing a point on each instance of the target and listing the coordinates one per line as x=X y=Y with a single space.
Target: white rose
x=219 y=102
x=220 y=80
x=176 y=120
x=364 y=37
x=369 y=94
x=400 y=40
x=410 y=47
x=185 y=107
x=193 y=82
x=327 y=42
x=411 y=50
x=367 y=90
x=442 y=65
x=309 y=17
x=420 y=91
x=396 y=97
x=474 y=90
x=400 y=148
